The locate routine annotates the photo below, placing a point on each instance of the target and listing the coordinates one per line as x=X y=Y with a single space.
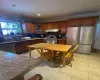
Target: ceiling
x=48 y=8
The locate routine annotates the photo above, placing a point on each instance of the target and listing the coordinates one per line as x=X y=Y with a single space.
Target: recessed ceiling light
x=38 y=14
x=14 y=5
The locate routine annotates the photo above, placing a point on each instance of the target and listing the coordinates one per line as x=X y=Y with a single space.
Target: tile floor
x=85 y=67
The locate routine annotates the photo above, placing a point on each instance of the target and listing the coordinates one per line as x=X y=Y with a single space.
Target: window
x=10 y=28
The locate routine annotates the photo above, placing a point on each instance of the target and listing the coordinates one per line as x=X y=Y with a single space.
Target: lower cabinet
x=21 y=47
x=62 y=41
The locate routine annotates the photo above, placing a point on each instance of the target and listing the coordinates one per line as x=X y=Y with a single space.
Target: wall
x=63 y=18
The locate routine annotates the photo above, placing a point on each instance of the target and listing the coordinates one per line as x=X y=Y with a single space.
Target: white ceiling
x=48 y=8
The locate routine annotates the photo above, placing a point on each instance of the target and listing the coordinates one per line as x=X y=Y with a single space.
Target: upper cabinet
x=55 y=25
x=28 y=28
x=46 y=26
x=62 y=26
x=90 y=21
x=74 y=22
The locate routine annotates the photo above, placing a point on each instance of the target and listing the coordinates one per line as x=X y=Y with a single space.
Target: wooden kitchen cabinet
x=21 y=46
x=63 y=27
x=33 y=28
x=74 y=22
x=62 y=41
x=49 y=25
x=89 y=21
x=55 y=25
x=46 y=26
x=28 y=28
x=52 y=25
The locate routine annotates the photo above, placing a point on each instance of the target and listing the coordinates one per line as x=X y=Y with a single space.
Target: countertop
x=12 y=66
x=9 y=42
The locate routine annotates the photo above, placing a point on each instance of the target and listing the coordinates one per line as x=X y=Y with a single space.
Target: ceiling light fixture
x=14 y=5
x=38 y=14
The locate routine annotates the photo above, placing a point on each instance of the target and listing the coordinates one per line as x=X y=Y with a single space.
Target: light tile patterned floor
x=85 y=67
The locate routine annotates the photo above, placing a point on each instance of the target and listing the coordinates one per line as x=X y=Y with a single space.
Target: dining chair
x=70 y=54
x=45 y=53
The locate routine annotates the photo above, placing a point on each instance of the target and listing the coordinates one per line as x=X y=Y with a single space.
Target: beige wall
x=63 y=18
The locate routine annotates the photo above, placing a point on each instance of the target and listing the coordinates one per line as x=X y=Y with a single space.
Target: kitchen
x=38 y=33
x=49 y=42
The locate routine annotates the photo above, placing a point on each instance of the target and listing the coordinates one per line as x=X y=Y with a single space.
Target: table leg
x=51 y=60
x=42 y=56
x=64 y=60
x=29 y=52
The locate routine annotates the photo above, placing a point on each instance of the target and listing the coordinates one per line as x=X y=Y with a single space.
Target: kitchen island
x=19 y=47
x=13 y=66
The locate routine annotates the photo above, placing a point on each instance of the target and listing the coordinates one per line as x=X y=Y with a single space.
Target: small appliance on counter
x=51 y=39
x=25 y=38
x=51 y=36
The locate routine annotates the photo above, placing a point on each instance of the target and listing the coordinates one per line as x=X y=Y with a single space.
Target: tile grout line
x=88 y=76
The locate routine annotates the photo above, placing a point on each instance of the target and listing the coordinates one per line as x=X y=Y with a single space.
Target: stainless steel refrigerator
x=82 y=36
x=97 y=37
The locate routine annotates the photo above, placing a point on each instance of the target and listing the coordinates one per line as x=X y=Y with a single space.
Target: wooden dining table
x=63 y=49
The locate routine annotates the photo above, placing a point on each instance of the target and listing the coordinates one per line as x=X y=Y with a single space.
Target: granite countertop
x=62 y=38
x=12 y=66
x=9 y=42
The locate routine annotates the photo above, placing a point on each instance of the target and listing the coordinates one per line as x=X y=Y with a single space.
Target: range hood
x=52 y=30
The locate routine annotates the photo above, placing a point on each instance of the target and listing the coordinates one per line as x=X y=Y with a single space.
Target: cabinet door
x=56 y=25
x=74 y=22
x=49 y=26
x=33 y=28
x=89 y=21
x=44 y=27
x=19 y=47
x=28 y=28
x=26 y=43
x=63 y=27
x=62 y=41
